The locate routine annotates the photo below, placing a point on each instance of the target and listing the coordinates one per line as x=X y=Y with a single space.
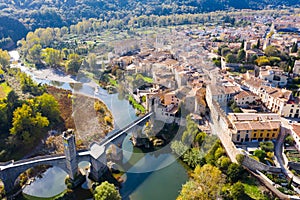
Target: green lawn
x=113 y=82
x=252 y=189
x=4 y=90
x=148 y=79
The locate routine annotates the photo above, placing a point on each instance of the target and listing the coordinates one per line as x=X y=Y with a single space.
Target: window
x=261 y=135
x=254 y=135
x=291 y=110
x=268 y=135
x=273 y=135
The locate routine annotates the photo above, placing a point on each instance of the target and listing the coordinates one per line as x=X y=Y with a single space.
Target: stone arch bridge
x=96 y=155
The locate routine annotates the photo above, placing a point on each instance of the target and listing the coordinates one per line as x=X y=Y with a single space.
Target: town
x=235 y=77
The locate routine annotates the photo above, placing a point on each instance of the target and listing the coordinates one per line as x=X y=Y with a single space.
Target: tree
x=73 y=63
x=48 y=106
x=294 y=48
x=206 y=184
x=267 y=146
x=231 y=58
x=223 y=163
x=52 y=57
x=92 y=59
x=258 y=44
x=238 y=191
x=26 y=122
x=106 y=191
x=225 y=51
x=34 y=53
x=242 y=45
x=260 y=154
x=192 y=157
x=4 y=58
x=178 y=147
x=234 y=172
x=241 y=55
x=272 y=51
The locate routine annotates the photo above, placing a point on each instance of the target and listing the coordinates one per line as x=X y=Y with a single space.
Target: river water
x=155 y=176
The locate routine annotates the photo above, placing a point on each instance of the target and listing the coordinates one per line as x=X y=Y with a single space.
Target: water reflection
x=51 y=184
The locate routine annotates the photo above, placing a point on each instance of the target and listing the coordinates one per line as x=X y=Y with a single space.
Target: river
x=156 y=176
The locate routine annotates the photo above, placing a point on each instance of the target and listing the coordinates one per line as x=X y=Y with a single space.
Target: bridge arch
x=11 y=174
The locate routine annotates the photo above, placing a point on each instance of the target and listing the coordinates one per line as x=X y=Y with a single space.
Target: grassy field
x=4 y=90
x=252 y=189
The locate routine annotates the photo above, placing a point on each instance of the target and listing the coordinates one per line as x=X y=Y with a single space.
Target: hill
x=57 y=13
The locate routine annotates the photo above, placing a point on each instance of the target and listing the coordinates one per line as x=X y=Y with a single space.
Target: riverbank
x=89 y=116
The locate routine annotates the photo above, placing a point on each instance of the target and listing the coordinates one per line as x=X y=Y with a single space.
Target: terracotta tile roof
x=296 y=129
x=244 y=94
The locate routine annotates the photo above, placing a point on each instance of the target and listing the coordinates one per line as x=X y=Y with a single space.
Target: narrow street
x=278 y=151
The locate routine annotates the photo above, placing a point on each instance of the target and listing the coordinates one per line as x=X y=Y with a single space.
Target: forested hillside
x=57 y=13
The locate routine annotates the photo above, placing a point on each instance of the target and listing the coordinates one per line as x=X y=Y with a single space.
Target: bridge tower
x=70 y=153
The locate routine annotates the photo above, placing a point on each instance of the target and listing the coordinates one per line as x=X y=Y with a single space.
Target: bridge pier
x=70 y=152
x=98 y=162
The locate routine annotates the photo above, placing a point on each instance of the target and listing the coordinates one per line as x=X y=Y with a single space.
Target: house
x=295 y=132
x=296 y=69
x=276 y=100
x=274 y=76
x=244 y=98
x=221 y=93
x=247 y=127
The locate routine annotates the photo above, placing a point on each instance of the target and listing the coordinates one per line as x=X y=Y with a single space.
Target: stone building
x=247 y=127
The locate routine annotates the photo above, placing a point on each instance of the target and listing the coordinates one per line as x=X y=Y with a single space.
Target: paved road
x=285 y=128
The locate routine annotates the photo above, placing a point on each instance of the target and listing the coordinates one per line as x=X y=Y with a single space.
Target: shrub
x=240 y=158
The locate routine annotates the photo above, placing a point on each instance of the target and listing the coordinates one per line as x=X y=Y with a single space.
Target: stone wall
x=254 y=165
x=294 y=165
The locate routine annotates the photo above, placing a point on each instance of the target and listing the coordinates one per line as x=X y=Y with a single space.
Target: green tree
x=272 y=51
x=241 y=55
x=231 y=58
x=3 y=117
x=267 y=146
x=238 y=191
x=192 y=157
x=260 y=154
x=34 y=53
x=106 y=191
x=234 y=172
x=223 y=163
x=206 y=183
x=178 y=147
x=242 y=45
x=294 y=48
x=225 y=51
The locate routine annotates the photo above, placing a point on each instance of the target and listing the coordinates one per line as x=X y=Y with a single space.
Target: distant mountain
x=56 y=13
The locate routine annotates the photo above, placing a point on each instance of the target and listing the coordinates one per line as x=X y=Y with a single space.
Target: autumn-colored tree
x=73 y=63
x=48 y=106
x=206 y=184
x=52 y=56
x=26 y=122
x=4 y=58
